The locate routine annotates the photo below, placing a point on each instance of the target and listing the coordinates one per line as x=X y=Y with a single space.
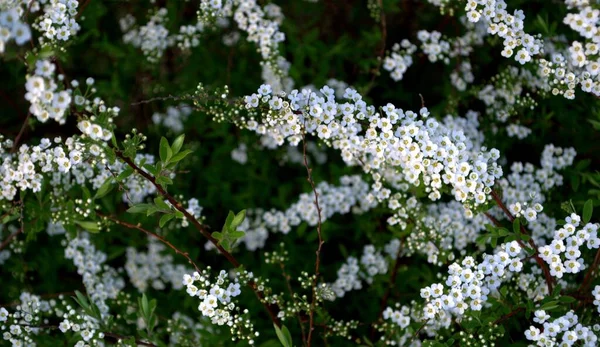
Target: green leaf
x=238 y=219
x=165 y=218
x=165 y=151
x=89 y=226
x=176 y=146
x=228 y=221
x=139 y=208
x=126 y=173
x=104 y=189
x=283 y=334
x=588 y=209
x=517 y=226
x=161 y=204
x=179 y=156
x=567 y=299
x=503 y=231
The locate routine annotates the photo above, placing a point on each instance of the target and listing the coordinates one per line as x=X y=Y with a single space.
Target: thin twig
x=589 y=274
x=291 y=290
x=509 y=315
x=82 y=8
x=318 y=252
x=18 y=138
x=203 y=229
x=9 y=238
x=156 y=236
x=391 y=284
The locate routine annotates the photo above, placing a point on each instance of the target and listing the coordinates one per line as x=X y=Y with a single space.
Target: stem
x=9 y=238
x=289 y=285
x=590 y=274
x=203 y=229
x=149 y=233
x=318 y=252
x=391 y=285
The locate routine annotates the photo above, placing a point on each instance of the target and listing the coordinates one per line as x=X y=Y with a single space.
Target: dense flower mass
x=301 y=173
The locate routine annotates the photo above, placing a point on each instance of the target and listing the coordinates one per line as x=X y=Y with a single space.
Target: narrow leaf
x=588 y=209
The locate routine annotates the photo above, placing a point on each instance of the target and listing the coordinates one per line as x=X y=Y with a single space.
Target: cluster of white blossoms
x=217 y=300
x=562 y=331
x=506 y=26
x=261 y=24
x=240 y=154
x=528 y=184
x=400 y=59
x=469 y=284
x=153 y=268
x=46 y=98
x=11 y=26
x=563 y=254
x=518 y=131
x=423 y=148
x=152 y=38
x=173 y=118
x=100 y=280
x=58 y=23
x=18 y=327
x=400 y=317
x=462 y=76
x=352 y=273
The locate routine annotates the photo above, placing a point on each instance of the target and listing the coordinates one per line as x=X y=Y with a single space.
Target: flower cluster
x=173 y=118
x=349 y=276
x=400 y=59
x=469 y=284
x=563 y=254
x=101 y=281
x=12 y=28
x=47 y=100
x=563 y=331
x=425 y=149
x=217 y=301
x=153 y=268
x=58 y=23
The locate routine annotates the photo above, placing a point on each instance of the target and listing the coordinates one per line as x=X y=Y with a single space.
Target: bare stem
x=151 y=234
x=318 y=252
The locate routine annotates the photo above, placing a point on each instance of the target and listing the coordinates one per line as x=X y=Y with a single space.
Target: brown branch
x=589 y=274
x=151 y=234
x=18 y=138
x=82 y=8
x=509 y=315
x=547 y=276
x=311 y=324
x=203 y=229
x=9 y=238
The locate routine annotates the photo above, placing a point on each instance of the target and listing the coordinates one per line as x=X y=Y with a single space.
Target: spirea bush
x=299 y=173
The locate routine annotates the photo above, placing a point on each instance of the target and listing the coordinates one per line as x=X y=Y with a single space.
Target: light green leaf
x=238 y=219
x=139 y=208
x=283 y=334
x=89 y=226
x=176 y=146
x=165 y=218
x=179 y=156
x=165 y=151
